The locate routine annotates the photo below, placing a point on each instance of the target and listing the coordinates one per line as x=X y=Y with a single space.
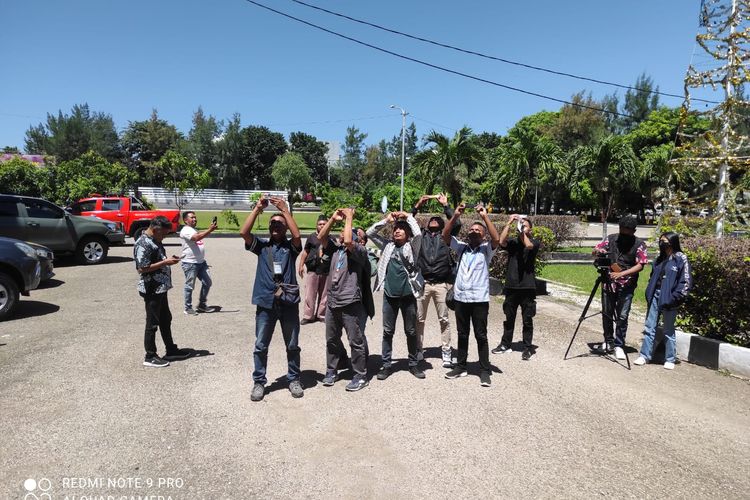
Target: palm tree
x=450 y=163
x=605 y=168
x=527 y=162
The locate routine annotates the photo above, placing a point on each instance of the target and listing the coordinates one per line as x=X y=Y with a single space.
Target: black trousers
x=157 y=316
x=473 y=314
x=526 y=299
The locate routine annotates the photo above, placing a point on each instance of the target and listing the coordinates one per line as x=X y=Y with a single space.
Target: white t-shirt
x=193 y=252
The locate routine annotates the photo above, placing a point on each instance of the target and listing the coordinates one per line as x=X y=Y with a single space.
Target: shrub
x=717 y=307
x=230 y=217
x=334 y=198
x=688 y=226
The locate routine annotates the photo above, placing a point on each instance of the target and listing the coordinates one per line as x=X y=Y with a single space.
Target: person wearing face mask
x=471 y=290
x=520 y=285
x=628 y=256
x=667 y=289
x=276 y=267
x=402 y=285
x=436 y=264
x=349 y=301
x=317 y=263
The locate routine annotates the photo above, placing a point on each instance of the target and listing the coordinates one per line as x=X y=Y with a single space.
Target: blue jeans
x=193 y=271
x=265 y=323
x=620 y=301
x=668 y=317
x=408 y=307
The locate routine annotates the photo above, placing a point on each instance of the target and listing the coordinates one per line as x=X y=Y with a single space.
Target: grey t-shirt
x=343 y=284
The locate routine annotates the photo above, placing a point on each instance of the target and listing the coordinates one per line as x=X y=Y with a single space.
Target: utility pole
x=403 y=148
x=723 y=153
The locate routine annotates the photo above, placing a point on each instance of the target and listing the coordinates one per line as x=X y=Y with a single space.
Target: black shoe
x=414 y=370
x=456 y=373
x=484 y=379
x=358 y=382
x=155 y=362
x=205 y=309
x=604 y=348
x=501 y=349
x=306 y=321
x=527 y=353
x=178 y=354
x=384 y=373
x=330 y=378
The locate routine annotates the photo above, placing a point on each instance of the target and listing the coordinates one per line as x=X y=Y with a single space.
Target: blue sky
x=125 y=58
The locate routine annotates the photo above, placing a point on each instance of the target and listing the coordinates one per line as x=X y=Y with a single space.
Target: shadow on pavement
x=50 y=283
x=70 y=261
x=32 y=308
x=309 y=379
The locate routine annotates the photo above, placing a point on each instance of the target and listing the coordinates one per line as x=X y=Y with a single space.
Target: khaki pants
x=435 y=292
x=316 y=297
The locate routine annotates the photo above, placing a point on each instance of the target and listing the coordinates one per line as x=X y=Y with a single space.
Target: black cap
x=629 y=222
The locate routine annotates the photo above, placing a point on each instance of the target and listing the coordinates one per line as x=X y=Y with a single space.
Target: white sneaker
x=640 y=361
x=619 y=353
x=447 y=361
x=668 y=366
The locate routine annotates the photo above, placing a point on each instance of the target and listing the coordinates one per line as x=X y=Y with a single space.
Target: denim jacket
x=676 y=284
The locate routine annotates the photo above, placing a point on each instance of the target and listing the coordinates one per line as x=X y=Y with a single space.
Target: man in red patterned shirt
x=628 y=256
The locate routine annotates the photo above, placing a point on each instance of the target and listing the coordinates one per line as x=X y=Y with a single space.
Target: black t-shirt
x=318 y=261
x=521 y=261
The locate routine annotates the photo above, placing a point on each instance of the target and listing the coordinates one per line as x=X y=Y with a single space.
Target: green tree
x=527 y=162
x=411 y=147
x=202 y=139
x=183 y=176
x=353 y=162
x=578 y=124
x=230 y=168
x=639 y=103
x=602 y=171
x=22 y=177
x=291 y=173
x=313 y=152
x=261 y=149
x=89 y=173
x=145 y=142
x=11 y=150
x=449 y=164
x=68 y=136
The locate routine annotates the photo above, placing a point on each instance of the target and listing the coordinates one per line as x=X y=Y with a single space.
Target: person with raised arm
x=275 y=292
x=471 y=291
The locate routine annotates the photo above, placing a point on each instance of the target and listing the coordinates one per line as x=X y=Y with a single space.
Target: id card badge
x=276 y=268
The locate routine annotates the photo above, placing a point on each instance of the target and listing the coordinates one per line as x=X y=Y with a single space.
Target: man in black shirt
x=436 y=264
x=520 y=284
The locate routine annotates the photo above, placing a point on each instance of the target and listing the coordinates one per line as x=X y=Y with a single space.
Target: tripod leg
x=583 y=314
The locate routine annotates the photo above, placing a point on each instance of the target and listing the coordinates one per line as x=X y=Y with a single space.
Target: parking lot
x=81 y=412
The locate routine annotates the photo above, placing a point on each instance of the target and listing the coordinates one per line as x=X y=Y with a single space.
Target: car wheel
x=91 y=250
x=138 y=232
x=8 y=296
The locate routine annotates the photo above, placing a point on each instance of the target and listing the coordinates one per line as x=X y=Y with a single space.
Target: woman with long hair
x=668 y=287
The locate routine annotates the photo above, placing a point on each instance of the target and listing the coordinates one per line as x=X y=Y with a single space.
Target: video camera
x=602 y=262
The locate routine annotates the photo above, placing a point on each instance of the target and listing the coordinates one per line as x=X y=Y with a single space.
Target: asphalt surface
x=83 y=418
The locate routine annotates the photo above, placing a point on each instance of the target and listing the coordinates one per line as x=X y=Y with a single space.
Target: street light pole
x=403 y=147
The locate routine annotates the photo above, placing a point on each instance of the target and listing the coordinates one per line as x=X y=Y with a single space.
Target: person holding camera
x=471 y=291
x=155 y=280
x=402 y=285
x=318 y=263
x=520 y=284
x=349 y=302
x=275 y=292
x=667 y=289
x=627 y=256
x=436 y=264
x=193 y=262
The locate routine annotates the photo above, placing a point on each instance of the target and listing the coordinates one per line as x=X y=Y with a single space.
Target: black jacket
x=435 y=260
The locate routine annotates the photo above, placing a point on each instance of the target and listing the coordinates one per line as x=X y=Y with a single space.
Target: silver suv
x=42 y=222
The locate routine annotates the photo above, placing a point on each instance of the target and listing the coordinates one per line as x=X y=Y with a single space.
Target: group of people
x=416 y=266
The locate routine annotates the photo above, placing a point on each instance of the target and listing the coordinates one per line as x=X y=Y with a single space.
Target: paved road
x=78 y=409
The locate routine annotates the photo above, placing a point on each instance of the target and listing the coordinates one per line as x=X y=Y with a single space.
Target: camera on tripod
x=603 y=262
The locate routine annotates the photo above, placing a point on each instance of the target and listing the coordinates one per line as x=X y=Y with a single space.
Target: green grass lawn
x=583 y=249
x=583 y=276
x=305 y=220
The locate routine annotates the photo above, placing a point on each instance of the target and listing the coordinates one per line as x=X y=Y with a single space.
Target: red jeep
x=129 y=211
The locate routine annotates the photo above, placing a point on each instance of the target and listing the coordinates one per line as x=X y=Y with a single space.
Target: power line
x=494 y=58
x=435 y=66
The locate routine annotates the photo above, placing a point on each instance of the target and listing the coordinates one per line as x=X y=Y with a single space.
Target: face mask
x=625 y=241
x=434 y=230
x=663 y=245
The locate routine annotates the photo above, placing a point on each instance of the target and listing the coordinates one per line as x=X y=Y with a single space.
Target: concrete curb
x=713 y=353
